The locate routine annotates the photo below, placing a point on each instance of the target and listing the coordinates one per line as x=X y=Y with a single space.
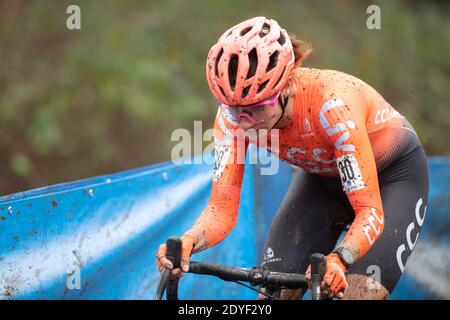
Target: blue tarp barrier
x=96 y=238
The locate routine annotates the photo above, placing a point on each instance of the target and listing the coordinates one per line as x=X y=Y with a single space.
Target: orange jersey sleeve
x=342 y=122
x=220 y=215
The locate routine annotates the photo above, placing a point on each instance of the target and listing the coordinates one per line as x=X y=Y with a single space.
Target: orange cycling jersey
x=340 y=127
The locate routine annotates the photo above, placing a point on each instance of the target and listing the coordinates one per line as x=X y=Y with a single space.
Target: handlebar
x=255 y=276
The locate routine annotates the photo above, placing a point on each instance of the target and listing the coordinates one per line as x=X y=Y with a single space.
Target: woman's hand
x=334 y=283
x=187 y=244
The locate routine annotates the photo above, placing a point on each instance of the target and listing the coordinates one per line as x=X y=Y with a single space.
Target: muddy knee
x=361 y=287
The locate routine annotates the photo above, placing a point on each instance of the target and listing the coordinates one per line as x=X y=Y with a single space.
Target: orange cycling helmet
x=250 y=63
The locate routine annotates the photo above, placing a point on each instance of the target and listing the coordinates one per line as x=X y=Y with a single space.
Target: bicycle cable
x=259 y=291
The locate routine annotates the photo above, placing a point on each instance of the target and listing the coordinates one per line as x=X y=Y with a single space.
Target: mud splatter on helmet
x=250 y=62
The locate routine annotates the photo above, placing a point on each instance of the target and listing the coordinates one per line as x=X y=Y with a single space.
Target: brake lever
x=318 y=266
x=173 y=254
x=162 y=284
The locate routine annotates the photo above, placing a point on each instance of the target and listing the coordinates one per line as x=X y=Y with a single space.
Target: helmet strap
x=283 y=103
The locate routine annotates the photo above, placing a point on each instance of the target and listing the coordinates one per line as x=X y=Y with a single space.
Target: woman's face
x=263 y=117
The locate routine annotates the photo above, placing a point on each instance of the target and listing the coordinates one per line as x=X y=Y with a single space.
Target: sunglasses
x=238 y=112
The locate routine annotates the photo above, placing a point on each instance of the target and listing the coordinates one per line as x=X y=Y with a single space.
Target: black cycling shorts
x=315 y=212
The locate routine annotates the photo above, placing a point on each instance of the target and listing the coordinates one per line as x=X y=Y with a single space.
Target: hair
x=301 y=48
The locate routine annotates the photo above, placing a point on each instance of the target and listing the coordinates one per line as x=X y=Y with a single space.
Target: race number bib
x=222 y=153
x=350 y=173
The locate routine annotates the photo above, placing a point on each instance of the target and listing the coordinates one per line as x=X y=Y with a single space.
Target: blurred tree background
x=106 y=98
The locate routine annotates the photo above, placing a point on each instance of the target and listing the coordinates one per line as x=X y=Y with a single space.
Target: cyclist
x=360 y=164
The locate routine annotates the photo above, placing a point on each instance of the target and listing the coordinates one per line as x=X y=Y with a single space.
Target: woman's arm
x=220 y=215
x=344 y=126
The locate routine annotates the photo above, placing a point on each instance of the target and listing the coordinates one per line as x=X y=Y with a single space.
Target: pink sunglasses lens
x=233 y=113
x=236 y=113
x=271 y=102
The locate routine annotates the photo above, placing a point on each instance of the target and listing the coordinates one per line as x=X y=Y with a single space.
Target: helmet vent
x=265 y=30
x=232 y=70
x=223 y=92
x=253 y=59
x=281 y=39
x=245 y=91
x=245 y=31
x=217 y=62
x=273 y=61
x=263 y=85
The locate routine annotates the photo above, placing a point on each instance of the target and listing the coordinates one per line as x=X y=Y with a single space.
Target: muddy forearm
x=364 y=231
x=214 y=224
